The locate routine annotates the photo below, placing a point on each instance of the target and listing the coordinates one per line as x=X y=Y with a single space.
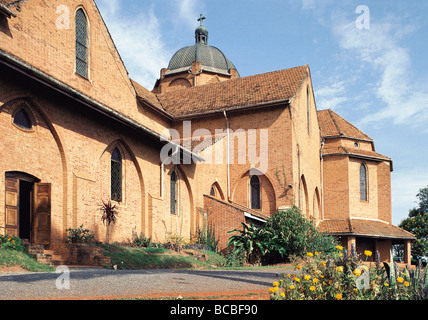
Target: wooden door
x=12 y=203
x=42 y=214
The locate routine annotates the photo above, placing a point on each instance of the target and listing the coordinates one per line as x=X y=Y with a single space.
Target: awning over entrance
x=364 y=228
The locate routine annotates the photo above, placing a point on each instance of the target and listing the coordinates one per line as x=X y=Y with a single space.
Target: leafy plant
x=141 y=241
x=109 y=216
x=174 y=242
x=12 y=243
x=79 y=235
x=285 y=234
x=340 y=275
x=207 y=238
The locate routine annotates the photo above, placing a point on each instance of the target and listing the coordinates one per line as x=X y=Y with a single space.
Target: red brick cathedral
x=204 y=147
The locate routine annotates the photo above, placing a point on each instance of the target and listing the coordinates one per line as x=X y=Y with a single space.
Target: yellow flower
x=315 y=280
x=288 y=275
x=282 y=294
x=312 y=288
x=296 y=279
x=307 y=277
x=400 y=280
x=339 y=296
x=298 y=266
x=406 y=283
x=275 y=284
x=272 y=290
x=386 y=284
x=310 y=254
x=316 y=253
x=323 y=263
x=339 y=248
x=292 y=287
x=339 y=269
x=357 y=272
x=355 y=290
x=368 y=253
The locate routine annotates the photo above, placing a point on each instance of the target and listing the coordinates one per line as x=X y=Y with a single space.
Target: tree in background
x=417 y=223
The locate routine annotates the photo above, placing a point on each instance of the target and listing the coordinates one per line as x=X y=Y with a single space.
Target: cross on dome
x=201 y=19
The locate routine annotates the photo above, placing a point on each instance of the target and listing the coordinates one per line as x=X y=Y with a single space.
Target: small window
x=81 y=44
x=255 y=193
x=356 y=145
x=116 y=175
x=22 y=119
x=173 y=192
x=363 y=183
x=212 y=192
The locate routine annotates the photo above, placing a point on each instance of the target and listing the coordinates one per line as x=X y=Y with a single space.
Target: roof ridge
x=230 y=82
x=347 y=122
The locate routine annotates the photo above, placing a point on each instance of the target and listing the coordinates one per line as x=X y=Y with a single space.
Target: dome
x=210 y=58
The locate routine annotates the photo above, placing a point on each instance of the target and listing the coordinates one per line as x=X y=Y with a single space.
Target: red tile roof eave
x=6 y=11
x=369 y=235
x=359 y=156
x=271 y=104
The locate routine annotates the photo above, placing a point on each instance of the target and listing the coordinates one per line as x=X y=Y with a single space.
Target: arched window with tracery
x=82 y=43
x=173 y=192
x=255 y=193
x=363 y=183
x=116 y=175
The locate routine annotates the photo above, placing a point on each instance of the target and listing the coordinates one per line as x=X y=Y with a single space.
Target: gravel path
x=92 y=283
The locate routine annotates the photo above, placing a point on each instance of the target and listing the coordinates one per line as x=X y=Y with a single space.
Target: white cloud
x=404 y=101
x=186 y=12
x=332 y=95
x=405 y=186
x=138 y=40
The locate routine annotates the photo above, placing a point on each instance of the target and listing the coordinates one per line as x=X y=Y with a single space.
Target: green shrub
x=12 y=243
x=285 y=234
x=207 y=238
x=79 y=235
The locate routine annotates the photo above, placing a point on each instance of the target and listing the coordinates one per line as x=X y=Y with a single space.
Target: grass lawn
x=155 y=258
x=11 y=258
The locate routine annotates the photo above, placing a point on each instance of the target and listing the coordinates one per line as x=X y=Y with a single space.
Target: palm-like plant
x=109 y=216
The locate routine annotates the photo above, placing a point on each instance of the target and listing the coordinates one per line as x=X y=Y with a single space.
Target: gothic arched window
x=255 y=193
x=173 y=192
x=363 y=183
x=22 y=119
x=116 y=175
x=81 y=43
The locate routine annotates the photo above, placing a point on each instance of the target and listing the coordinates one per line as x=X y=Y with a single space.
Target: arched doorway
x=28 y=204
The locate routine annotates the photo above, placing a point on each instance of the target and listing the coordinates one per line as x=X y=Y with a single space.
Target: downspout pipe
x=322 y=178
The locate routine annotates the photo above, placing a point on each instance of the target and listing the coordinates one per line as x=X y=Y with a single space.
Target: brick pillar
x=408 y=252
x=351 y=241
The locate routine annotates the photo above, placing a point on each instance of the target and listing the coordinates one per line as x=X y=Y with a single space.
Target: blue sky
x=376 y=77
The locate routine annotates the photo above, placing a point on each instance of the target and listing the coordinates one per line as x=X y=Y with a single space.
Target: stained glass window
x=22 y=120
x=363 y=182
x=116 y=175
x=173 y=191
x=255 y=192
x=81 y=44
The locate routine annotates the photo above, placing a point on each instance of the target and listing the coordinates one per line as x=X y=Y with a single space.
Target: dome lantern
x=201 y=33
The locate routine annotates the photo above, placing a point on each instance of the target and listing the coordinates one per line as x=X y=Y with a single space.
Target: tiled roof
x=363 y=227
x=244 y=92
x=7 y=2
x=333 y=125
x=145 y=94
x=354 y=152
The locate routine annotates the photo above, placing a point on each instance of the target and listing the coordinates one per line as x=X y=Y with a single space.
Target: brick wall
x=223 y=217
